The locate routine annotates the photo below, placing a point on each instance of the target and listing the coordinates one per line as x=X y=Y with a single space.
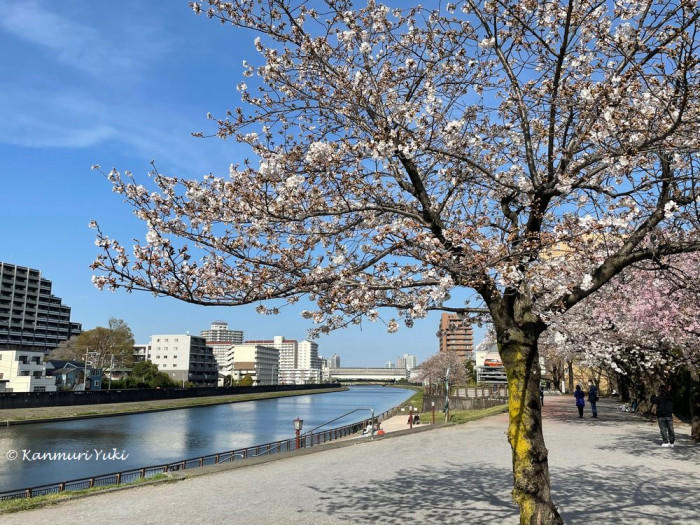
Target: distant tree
x=443 y=365
x=246 y=380
x=145 y=374
x=470 y=370
x=115 y=340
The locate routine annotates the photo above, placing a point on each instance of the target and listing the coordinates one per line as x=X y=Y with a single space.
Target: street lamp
x=298 y=423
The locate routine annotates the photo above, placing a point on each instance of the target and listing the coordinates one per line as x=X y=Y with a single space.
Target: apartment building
x=287 y=350
x=259 y=361
x=220 y=338
x=307 y=355
x=24 y=371
x=455 y=335
x=31 y=317
x=183 y=357
x=407 y=361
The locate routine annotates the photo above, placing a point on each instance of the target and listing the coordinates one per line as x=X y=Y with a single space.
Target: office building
x=334 y=361
x=31 y=318
x=455 y=335
x=220 y=339
x=184 y=358
x=24 y=371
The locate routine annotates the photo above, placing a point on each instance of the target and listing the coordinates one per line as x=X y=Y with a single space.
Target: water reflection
x=161 y=437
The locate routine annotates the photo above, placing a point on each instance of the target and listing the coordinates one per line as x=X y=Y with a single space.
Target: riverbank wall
x=13 y=400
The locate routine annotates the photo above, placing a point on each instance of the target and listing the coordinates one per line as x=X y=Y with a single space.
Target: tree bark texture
x=531 y=487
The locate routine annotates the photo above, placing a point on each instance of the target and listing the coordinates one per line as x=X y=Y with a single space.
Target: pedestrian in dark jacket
x=593 y=397
x=664 y=415
x=580 y=403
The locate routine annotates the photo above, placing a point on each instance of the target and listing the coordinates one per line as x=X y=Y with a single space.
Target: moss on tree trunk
x=531 y=482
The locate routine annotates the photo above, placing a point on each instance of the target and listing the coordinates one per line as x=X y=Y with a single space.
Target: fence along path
x=133 y=475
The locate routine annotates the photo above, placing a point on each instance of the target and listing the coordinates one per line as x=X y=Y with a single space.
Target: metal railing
x=143 y=473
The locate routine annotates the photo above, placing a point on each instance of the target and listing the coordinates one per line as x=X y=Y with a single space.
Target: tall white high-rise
x=334 y=361
x=219 y=333
x=307 y=355
x=220 y=338
x=407 y=361
x=411 y=361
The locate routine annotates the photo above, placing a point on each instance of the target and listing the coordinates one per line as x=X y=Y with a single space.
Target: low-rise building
x=184 y=358
x=300 y=376
x=24 y=371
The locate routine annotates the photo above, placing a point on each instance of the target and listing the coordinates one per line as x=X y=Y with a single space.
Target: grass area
x=112 y=409
x=416 y=399
x=19 y=504
x=463 y=416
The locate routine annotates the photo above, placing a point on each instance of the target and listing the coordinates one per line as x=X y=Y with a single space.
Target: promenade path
x=605 y=470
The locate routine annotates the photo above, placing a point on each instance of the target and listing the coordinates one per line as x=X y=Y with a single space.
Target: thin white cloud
x=79 y=45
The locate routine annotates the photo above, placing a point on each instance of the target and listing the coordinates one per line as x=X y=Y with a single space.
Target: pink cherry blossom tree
x=441 y=366
x=643 y=325
x=528 y=151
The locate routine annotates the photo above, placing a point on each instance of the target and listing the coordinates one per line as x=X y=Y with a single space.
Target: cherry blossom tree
x=441 y=366
x=643 y=325
x=397 y=154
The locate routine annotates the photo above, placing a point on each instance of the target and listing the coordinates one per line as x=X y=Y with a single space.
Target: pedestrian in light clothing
x=664 y=415
x=580 y=403
x=593 y=397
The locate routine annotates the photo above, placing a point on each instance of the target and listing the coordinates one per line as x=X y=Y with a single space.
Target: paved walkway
x=605 y=470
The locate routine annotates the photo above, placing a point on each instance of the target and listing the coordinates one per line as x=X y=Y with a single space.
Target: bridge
x=368 y=374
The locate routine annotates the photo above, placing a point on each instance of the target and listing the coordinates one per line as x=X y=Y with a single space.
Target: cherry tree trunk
x=694 y=401
x=531 y=484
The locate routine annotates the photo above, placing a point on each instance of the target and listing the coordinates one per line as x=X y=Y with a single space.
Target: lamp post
x=298 y=423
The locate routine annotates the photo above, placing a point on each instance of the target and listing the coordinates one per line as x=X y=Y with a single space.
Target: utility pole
x=111 y=367
x=87 y=352
x=447 y=395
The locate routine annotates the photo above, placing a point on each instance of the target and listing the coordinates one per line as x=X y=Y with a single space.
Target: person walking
x=593 y=397
x=580 y=403
x=541 y=395
x=664 y=415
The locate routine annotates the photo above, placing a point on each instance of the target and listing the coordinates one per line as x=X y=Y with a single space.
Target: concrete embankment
x=20 y=416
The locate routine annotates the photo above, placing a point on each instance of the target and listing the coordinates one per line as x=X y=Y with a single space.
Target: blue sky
x=120 y=84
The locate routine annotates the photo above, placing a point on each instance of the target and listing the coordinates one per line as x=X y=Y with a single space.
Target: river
x=161 y=437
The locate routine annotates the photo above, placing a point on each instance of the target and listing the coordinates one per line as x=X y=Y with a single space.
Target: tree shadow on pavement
x=613 y=494
x=480 y=494
x=564 y=409
x=648 y=444
x=473 y=494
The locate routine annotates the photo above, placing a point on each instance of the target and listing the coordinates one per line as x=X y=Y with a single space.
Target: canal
x=160 y=437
